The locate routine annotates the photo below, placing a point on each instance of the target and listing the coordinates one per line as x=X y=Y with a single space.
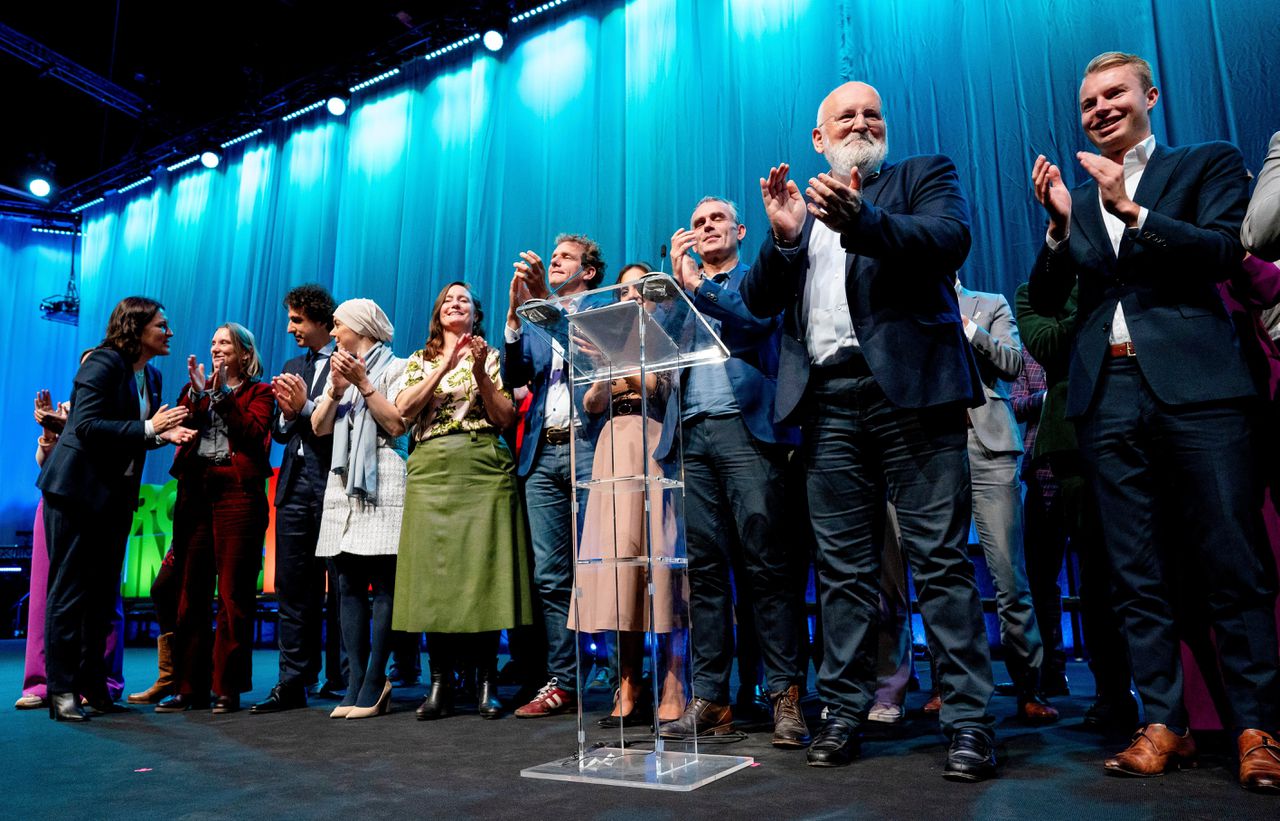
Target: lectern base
x=647 y=769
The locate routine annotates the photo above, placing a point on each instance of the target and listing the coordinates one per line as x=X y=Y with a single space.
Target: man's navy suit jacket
x=317 y=450
x=1165 y=276
x=902 y=254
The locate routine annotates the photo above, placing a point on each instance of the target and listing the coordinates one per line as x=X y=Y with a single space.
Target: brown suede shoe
x=789 y=729
x=1154 y=750
x=1259 y=761
x=1036 y=710
x=933 y=706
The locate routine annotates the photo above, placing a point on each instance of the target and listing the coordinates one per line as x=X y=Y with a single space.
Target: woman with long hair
x=219 y=521
x=364 y=502
x=464 y=555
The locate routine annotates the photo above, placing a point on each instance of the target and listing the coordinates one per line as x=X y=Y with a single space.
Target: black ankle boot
x=487 y=695
x=439 y=700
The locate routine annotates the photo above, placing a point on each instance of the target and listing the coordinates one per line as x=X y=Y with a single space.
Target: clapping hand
x=49 y=417
x=167 y=418
x=1046 y=182
x=783 y=204
x=1109 y=175
x=199 y=382
x=479 y=356
x=452 y=354
x=346 y=370
x=683 y=266
x=291 y=394
x=177 y=435
x=834 y=202
x=534 y=274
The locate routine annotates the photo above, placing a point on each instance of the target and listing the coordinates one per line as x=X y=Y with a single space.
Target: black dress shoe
x=439 y=700
x=641 y=714
x=1006 y=688
x=181 y=702
x=283 y=697
x=835 y=745
x=226 y=704
x=101 y=708
x=487 y=702
x=65 y=707
x=972 y=757
x=1112 y=713
x=331 y=690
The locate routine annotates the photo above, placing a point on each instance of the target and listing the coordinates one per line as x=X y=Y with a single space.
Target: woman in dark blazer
x=219 y=521
x=90 y=485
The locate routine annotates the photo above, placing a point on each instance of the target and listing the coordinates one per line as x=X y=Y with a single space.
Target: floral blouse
x=457 y=404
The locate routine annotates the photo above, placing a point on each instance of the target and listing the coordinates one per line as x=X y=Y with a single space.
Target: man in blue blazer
x=576 y=266
x=734 y=458
x=876 y=369
x=1162 y=401
x=90 y=483
x=300 y=485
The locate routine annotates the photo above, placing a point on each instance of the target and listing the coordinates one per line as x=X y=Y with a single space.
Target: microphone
x=662 y=256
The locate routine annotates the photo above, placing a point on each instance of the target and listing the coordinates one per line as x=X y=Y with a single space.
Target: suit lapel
x=1086 y=217
x=1155 y=179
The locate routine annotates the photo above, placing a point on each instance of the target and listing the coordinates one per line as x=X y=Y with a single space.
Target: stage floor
x=301 y=764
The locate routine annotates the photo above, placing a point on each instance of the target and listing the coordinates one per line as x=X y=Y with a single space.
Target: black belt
x=221 y=461
x=855 y=366
x=626 y=406
x=556 y=436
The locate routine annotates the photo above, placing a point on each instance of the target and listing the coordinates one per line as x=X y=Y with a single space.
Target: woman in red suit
x=219 y=521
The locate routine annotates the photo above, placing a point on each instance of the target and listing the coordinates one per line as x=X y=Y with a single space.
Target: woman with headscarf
x=219 y=521
x=464 y=565
x=364 y=502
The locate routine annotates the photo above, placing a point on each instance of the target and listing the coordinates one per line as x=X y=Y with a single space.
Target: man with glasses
x=876 y=369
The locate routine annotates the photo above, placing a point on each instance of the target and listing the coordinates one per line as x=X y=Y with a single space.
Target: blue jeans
x=548 y=499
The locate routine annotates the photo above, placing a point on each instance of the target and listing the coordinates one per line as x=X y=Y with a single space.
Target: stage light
x=457 y=44
x=39 y=187
x=304 y=110
x=134 y=184
x=493 y=40
x=374 y=80
x=82 y=206
x=210 y=158
x=182 y=163
x=336 y=105
x=246 y=136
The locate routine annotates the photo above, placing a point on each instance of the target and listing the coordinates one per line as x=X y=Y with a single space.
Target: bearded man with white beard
x=877 y=371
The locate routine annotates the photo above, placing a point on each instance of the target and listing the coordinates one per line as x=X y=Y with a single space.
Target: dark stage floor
x=303 y=765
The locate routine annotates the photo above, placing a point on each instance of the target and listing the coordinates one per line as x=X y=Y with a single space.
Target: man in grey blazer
x=1261 y=230
x=995 y=458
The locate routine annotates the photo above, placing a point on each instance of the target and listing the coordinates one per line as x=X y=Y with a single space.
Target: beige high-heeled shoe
x=340 y=711
x=381 y=707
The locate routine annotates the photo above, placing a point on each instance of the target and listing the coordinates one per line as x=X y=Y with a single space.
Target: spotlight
x=493 y=40
x=39 y=187
x=210 y=158
x=336 y=105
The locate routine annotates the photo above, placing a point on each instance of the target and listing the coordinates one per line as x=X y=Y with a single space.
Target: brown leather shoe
x=701 y=718
x=1154 y=750
x=933 y=706
x=1036 y=710
x=1259 y=761
x=789 y=729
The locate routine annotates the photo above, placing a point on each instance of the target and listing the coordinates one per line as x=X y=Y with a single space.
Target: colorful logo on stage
x=152 y=536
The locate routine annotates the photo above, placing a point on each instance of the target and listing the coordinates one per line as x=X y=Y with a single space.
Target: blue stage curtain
x=613 y=119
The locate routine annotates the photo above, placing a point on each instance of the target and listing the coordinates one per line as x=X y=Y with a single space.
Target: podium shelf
x=630 y=484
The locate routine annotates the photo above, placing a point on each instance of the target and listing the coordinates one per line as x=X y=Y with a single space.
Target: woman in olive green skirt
x=463 y=572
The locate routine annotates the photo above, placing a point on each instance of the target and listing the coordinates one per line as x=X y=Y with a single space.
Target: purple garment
x=33 y=678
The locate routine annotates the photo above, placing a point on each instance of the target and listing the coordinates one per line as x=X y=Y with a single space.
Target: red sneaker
x=550 y=701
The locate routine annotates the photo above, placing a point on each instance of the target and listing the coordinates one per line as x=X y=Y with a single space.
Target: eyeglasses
x=847 y=119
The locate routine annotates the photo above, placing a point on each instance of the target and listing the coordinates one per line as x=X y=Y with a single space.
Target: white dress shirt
x=829 y=334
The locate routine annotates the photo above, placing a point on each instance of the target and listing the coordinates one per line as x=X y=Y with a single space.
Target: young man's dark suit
x=907 y=389
x=1166 y=426
x=89 y=503
x=300 y=576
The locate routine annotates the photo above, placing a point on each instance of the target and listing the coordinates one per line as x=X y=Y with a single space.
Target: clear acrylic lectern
x=626 y=347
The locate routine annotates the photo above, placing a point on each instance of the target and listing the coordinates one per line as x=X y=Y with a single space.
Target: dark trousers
x=366 y=630
x=300 y=590
x=858 y=448
x=1197 y=463
x=219 y=522
x=733 y=497
x=86 y=553
x=1046 y=549
x=166 y=591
